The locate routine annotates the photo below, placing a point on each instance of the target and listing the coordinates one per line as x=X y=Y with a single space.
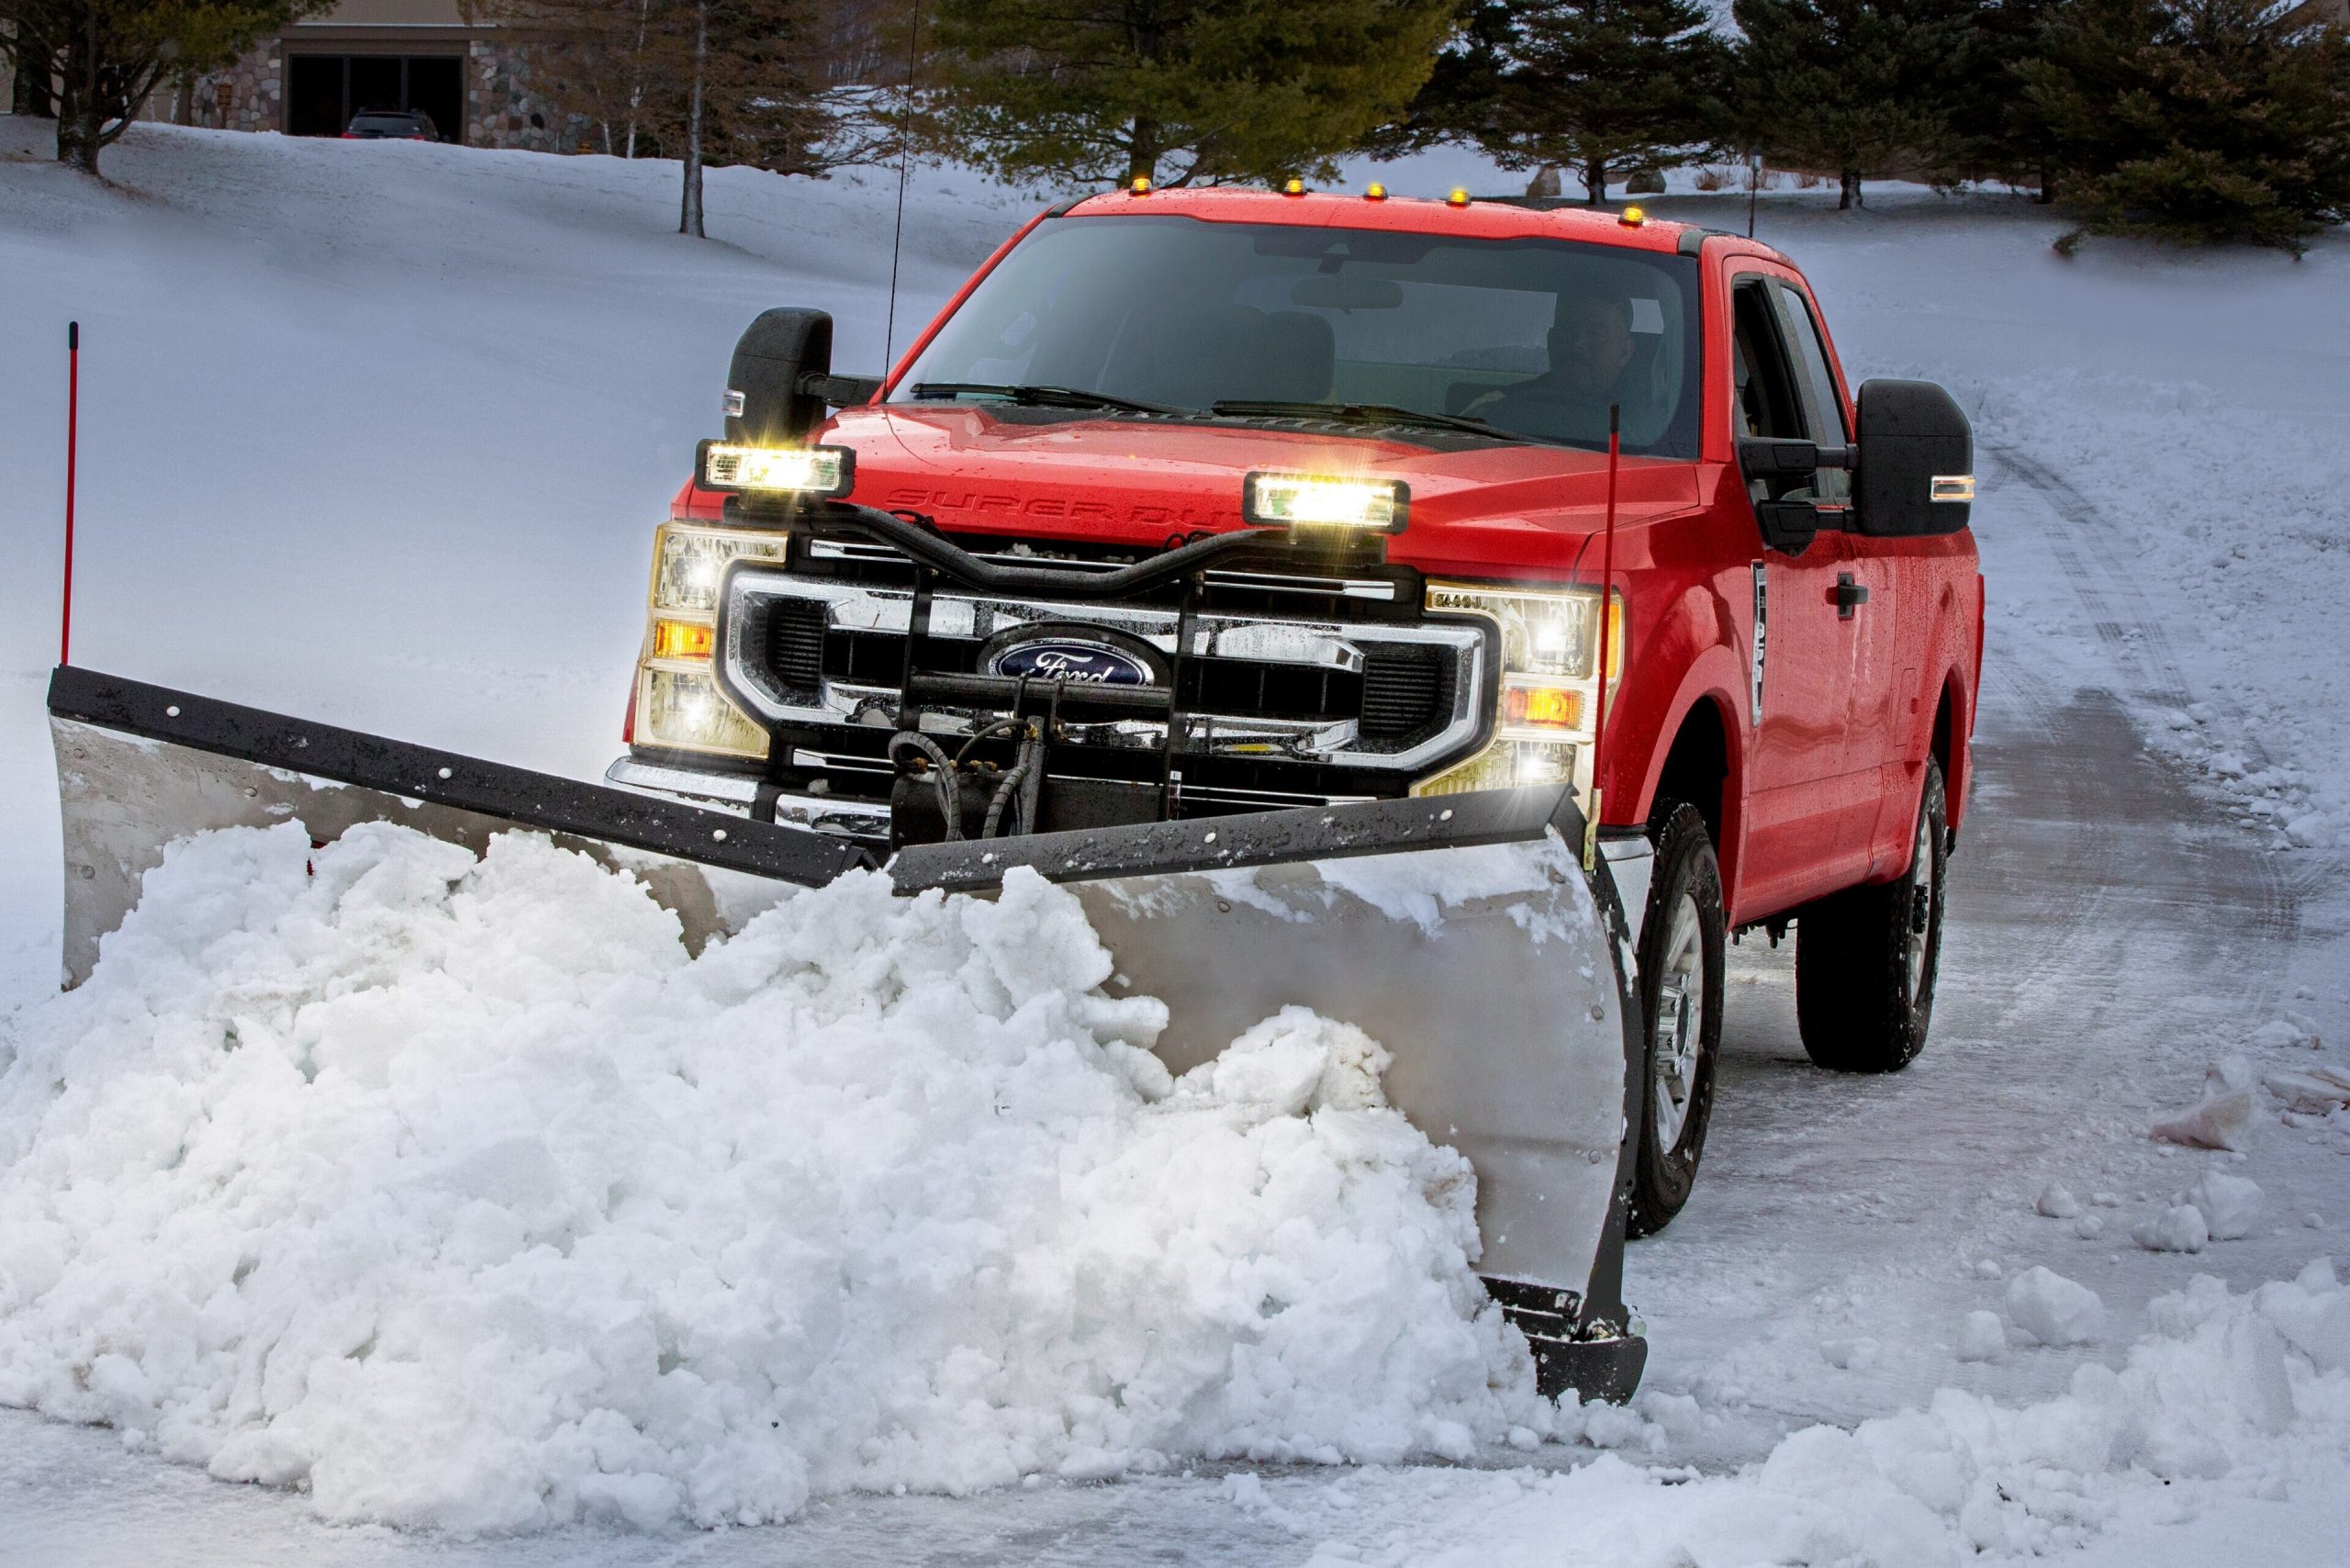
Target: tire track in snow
x=2139 y=639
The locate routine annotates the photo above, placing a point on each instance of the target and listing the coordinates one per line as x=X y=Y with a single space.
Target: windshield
x=1536 y=338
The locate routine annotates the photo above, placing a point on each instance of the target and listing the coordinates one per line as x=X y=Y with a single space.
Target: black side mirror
x=1917 y=467
x=1789 y=526
x=766 y=404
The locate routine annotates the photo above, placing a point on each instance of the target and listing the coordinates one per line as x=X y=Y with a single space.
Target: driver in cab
x=1591 y=346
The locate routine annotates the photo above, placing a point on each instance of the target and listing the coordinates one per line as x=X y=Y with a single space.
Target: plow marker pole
x=72 y=434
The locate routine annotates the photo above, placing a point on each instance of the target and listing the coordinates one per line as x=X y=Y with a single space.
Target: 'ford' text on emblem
x=1067 y=659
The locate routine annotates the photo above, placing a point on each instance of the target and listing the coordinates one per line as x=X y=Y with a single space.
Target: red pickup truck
x=1486 y=405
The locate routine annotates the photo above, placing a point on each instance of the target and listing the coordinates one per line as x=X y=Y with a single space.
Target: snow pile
x=2227 y=1395
x=456 y=1191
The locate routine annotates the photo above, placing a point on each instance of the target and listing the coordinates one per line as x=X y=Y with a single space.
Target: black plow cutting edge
x=450 y=778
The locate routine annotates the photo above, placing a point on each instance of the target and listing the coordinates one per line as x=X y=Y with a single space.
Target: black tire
x=1682 y=940
x=1865 y=958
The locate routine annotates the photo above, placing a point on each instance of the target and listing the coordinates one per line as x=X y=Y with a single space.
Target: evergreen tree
x=2204 y=121
x=1599 y=86
x=1085 y=91
x=1997 y=132
x=1851 y=85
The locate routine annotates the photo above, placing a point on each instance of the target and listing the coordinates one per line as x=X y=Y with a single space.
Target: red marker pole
x=1607 y=589
x=72 y=436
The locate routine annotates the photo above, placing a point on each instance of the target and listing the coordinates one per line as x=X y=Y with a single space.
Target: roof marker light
x=1459 y=198
x=1632 y=218
x=1376 y=193
x=1141 y=186
x=1295 y=188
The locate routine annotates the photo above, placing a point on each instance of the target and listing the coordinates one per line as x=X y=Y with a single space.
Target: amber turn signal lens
x=681 y=639
x=1543 y=707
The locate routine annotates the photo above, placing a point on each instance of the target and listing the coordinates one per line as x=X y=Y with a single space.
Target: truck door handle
x=1849 y=596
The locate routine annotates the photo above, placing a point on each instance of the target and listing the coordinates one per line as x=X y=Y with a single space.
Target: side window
x=1823 y=410
x=1767 y=402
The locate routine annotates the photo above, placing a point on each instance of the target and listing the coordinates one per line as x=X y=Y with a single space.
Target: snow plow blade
x=1461 y=931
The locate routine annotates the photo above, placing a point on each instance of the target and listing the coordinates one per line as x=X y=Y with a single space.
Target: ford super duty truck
x=1207 y=502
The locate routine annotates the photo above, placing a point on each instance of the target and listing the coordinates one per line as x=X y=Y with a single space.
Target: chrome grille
x=1395 y=697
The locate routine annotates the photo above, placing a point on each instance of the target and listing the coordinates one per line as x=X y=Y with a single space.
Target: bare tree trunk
x=184 y=99
x=1849 y=195
x=689 y=215
x=1594 y=180
x=1142 y=151
x=79 y=115
x=636 y=84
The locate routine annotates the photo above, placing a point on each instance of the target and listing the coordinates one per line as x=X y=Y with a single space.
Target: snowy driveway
x=2130 y=902
x=2108 y=935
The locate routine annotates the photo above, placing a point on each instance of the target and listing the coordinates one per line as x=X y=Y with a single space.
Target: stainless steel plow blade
x=1460 y=932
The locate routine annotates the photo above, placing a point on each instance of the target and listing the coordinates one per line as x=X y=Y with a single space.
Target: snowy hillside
x=379 y=432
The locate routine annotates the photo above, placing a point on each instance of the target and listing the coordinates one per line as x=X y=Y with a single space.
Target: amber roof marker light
x=1140 y=187
x=1376 y=193
x=1632 y=218
x=1459 y=198
x=1294 y=187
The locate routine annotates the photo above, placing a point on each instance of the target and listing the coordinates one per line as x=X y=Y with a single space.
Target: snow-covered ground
x=379 y=432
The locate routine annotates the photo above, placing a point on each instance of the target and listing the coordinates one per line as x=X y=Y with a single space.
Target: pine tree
x=1599 y=86
x=1852 y=85
x=1085 y=91
x=2204 y=121
x=1997 y=134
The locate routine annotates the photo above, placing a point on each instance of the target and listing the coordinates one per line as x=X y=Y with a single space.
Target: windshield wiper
x=1369 y=414
x=1042 y=397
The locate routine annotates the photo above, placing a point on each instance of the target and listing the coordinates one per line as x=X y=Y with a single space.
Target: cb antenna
x=905 y=154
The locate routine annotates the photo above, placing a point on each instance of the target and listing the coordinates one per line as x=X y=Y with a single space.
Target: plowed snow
x=459 y=1192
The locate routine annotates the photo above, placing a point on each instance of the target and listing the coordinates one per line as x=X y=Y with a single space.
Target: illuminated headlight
x=816 y=471
x=1548 y=693
x=689 y=561
x=685 y=711
x=679 y=706
x=1313 y=500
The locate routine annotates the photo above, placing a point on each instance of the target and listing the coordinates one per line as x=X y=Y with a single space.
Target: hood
x=1504 y=510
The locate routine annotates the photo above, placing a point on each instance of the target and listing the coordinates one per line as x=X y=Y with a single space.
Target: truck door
x=1805 y=833
x=1876 y=685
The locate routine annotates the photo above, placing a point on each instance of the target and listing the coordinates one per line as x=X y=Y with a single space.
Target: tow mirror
x=1917 y=467
x=1779 y=466
x=764 y=403
x=781 y=380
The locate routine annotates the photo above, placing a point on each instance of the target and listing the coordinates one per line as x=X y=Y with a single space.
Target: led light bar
x=1313 y=500
x=820 y=471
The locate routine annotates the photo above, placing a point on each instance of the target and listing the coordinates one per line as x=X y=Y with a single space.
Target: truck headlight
x=688 y=559
x=685 y=711
x=1549 y=688
x=813 y=471
x=679 y=706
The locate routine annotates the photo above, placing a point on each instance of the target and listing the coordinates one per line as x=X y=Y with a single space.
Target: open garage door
x=323 y=91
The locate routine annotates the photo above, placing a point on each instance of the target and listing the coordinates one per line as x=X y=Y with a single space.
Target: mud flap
x=1461 y=931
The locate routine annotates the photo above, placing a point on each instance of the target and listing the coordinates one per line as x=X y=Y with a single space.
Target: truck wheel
x=1681 y=1002
x=1865 y=957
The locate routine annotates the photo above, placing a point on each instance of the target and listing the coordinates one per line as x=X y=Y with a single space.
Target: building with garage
x=384 y=54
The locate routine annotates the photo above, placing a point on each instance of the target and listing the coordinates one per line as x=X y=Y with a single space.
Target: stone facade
x=248 y=95
x=502 y=111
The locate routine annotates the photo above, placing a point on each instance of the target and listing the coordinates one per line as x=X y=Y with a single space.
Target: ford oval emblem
x=1093 y=664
